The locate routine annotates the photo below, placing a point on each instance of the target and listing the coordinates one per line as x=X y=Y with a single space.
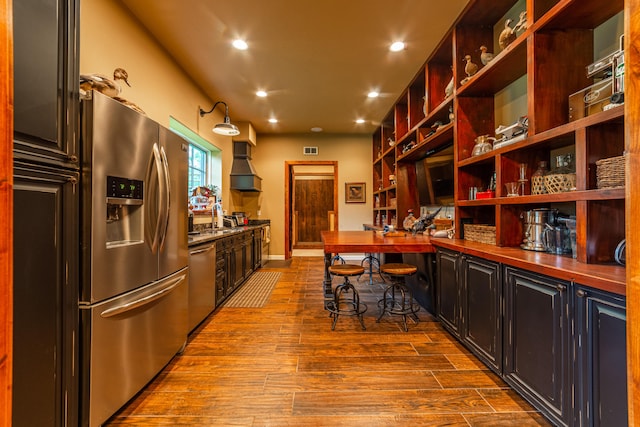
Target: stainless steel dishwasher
x=202 y=282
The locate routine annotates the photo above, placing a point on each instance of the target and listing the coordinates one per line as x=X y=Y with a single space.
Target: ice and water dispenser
x=125 y=219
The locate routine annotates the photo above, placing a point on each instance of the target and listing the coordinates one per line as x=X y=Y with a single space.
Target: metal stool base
x=342 y=306
x=403 y=304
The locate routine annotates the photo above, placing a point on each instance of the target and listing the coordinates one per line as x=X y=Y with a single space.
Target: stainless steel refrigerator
x=134 y=280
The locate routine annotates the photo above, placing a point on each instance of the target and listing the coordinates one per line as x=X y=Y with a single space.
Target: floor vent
x=310 y=151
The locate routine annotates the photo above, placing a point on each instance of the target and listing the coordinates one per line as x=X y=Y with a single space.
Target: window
x=197 y=166
x=205 y=159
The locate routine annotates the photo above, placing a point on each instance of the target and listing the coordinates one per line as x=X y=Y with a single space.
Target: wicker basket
x=537 y=185
x=610 y=172
x=559 y=182
x=480 y=233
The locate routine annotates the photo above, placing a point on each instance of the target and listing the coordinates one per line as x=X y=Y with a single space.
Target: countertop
x=218 y=233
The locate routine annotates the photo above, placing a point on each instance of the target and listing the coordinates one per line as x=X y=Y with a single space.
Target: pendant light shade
x=226 y=128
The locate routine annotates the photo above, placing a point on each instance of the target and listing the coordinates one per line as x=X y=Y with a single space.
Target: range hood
x=243 y=175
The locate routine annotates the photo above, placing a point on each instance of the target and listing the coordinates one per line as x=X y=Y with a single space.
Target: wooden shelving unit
x=539 y=70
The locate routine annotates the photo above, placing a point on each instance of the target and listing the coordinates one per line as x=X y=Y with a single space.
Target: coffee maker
x=535 y=224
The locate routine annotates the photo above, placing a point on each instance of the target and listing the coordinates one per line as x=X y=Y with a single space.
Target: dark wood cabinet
x=469 y=303
x=537 y=358
x=46 y=81
x=257 y=248
x=247 y=255
x=481 y=294
x=600 y=376
x=223 y=268
x=46 y=212
x=448 y=290
x=45 y=295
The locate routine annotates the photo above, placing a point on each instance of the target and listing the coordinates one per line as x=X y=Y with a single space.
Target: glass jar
x=537 y=179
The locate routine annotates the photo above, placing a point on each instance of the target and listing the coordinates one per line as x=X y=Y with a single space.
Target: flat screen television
x=434 y=175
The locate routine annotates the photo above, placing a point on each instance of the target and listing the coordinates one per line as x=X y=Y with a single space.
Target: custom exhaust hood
x=243 y=175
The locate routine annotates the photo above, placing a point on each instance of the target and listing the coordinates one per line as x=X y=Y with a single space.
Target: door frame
x=288 y=205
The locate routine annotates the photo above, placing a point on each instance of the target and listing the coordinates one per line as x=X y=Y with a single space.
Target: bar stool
x=398 y=298
x=342 y=305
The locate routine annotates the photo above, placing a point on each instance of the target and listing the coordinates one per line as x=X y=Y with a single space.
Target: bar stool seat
x=398 y=298
x=342 y=304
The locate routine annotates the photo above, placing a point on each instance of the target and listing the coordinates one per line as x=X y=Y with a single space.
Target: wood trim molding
x=632 y=205
x=288 y=182
x=6 y=210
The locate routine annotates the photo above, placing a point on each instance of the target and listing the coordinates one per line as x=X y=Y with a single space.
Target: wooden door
x=313 y=200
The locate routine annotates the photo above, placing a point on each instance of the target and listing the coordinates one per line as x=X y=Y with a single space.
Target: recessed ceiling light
x=316 y=129
x=240 y=44
x=396 y=46
x=261 y=93
x=360 y=121
x=273 y=120
x=373 y=94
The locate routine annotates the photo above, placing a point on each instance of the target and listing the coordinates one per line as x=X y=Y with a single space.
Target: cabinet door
x=448 y=294
x=536 y=354
x=257 y=249
x=46 y=80
x=481 y=313
x=222 y=270
x=601 y=371
x=45 y=296
x=248 y=255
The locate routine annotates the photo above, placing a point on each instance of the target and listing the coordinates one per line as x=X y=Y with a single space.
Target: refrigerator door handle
x=114 y=311
x=165 y=202
x=156 y=160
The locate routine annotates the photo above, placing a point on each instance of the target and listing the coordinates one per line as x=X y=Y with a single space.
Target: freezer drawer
x=128 y=340
x=202 y=283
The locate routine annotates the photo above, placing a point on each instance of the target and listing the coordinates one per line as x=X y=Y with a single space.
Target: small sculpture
x=507 y=36
x=485 y=57
x=448 y=91
x=103 y=84
x=522 y=22
x=470 y=69
x=424 y=222
x=108 y=87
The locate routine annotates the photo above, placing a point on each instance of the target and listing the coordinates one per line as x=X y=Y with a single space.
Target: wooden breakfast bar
x=369 y=241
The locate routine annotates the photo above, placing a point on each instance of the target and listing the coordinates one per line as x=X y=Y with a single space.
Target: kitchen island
x=369 y=241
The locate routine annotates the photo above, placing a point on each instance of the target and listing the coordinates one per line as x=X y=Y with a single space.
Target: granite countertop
x=209 y=234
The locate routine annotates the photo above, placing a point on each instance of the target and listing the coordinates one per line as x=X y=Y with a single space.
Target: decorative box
x=485 y=194
x=590 y=100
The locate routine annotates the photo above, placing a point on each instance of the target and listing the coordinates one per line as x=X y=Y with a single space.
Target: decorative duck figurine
x=507 y=36
x=448 y=91
x=470 y=68
x=522 y=22
x=485 y=57
x=104 y=84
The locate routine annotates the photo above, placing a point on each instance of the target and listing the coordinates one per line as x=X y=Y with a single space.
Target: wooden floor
x=281 y=365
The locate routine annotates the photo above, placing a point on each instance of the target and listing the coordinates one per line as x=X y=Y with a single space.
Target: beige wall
x=111 y=37
x=353 y=154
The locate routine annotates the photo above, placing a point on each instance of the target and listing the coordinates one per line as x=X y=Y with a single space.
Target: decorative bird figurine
x=104 y=84
x=485 y=57
x=522 y=22
x=448 y=91
x=507 y=36
x=424 y=222
x=470 y=68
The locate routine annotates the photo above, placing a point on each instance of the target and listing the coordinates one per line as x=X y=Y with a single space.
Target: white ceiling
x=317 y=59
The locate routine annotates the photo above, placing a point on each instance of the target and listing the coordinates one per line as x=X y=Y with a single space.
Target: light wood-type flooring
x=282 y=365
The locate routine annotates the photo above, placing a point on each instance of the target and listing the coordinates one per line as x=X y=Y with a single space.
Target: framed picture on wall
x=354 y=192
